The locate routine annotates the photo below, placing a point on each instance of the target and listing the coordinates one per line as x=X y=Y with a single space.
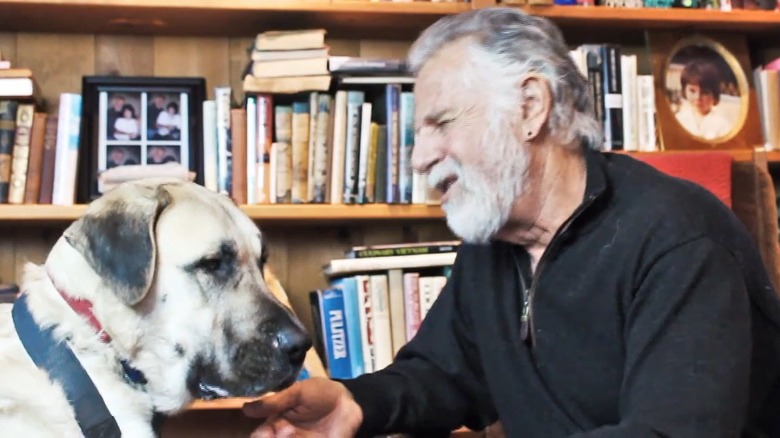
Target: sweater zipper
x=527 y=317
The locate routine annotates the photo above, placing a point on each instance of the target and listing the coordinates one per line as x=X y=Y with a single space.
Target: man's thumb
x=272 y=404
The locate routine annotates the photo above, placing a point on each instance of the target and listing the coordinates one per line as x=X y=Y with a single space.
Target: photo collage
x=142 y=128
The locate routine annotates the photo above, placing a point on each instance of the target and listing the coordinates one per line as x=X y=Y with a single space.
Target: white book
x=314 y=111
x=347 y=266
x=210 y=145
x=380 y=311
x=363 y=147
x=430 y=287
x=647 y=122
x=67 y=149
x=628 y=72
x=366 y=312
x=339 y=147
x=395 y=291
x=251 y=150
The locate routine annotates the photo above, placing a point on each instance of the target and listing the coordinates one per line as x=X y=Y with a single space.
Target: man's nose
x=425 y=154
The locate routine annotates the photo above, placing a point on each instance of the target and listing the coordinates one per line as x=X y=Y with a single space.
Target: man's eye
x=444 y=123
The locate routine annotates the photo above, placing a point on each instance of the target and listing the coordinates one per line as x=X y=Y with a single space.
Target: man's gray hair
x=517 y=43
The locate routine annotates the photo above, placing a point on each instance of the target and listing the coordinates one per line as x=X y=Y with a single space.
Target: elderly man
x=594 y=297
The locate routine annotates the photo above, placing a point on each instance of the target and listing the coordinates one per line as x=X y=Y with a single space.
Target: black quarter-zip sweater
x=651 y=315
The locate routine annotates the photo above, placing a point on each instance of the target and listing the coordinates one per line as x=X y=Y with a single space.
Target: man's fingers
x=272 y=405
x=263 y=432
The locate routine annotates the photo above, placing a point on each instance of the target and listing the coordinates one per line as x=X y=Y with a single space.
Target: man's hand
x=315 y=407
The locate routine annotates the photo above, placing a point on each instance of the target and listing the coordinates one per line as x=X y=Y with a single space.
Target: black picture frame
x=138 y=138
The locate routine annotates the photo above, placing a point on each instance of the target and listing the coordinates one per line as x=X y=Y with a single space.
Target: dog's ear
x=117 y=238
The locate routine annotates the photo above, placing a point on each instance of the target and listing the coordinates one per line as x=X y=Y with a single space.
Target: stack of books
x=288 y=62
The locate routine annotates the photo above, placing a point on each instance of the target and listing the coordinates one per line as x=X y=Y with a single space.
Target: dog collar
x=57 y=359
x=83 y=307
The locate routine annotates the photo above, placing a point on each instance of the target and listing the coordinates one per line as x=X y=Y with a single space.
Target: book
x=402 y=249
x=339 y=267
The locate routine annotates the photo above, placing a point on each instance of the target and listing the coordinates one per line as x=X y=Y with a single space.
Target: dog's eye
x=210 y=265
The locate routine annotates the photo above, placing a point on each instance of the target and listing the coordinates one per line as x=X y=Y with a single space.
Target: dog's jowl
x=157 y=296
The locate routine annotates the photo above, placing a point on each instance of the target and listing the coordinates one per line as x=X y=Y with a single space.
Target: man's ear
x=536 y=104
x=117 y=238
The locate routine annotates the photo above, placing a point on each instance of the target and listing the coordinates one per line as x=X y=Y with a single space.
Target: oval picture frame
x=669 y=50
x=706 y=89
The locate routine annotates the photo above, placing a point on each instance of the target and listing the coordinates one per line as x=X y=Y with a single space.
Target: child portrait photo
x=704 y=92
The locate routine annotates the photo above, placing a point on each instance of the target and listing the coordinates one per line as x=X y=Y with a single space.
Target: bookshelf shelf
x=305 y=213
x=602 y=17
x=223 y=17
x=350 y=18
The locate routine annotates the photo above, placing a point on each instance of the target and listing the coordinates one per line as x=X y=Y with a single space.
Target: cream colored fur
x=172 y=314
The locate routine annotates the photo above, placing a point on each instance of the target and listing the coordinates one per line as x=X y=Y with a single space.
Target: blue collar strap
x=57 y=359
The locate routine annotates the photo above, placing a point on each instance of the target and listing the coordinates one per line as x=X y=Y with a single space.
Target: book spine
x=224 y=147
x=401 y=251
x=49 y=159
x=393 y=125
x=210 y=153
x=21 y=153
x=265 y=136
x=411 y=303
x=336 y=333
x=363 y=284
x=613 y=96
x=406 y=144
x=238 y=140
x=338 y=156
x=321 y=149
x=355 y=100
x=363 y=159
x=250 y=125
x=66 y=161
x=32 y=188
x=314 y=120
x=300 y=152
x=348 y=285
x=283 y=154
x=7 y=138
x=380 y=309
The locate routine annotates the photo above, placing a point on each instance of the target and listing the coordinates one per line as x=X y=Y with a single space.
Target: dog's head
x=184 y=268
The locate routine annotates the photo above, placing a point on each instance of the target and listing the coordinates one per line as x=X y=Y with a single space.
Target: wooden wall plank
x=384 y=49
x=342 y=47
x=190 y=56
x=238 y=59
x=58 y=62
x=8 y=47
x=124 y=55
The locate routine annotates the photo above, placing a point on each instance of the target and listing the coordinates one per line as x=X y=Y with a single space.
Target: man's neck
x=558 y=178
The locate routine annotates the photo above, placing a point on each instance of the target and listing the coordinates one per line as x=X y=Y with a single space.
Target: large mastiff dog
x=158 y=291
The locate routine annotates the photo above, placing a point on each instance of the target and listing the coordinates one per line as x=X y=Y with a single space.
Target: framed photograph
x=704 y=96
x=135 y=122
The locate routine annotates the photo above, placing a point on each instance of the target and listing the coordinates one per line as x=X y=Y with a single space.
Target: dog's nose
x=294 y=342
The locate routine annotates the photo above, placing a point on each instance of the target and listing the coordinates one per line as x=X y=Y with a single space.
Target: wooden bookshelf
x=351 y=18
x=298 y=214
x=225 y=18
x=607 y=18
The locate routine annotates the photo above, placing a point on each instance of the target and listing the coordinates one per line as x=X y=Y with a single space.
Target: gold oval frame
x=739 y=74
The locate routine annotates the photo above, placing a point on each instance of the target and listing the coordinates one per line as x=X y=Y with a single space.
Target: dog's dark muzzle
x=270 y=361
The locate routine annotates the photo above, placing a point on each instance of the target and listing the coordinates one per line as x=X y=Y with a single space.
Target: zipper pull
x=524 y=320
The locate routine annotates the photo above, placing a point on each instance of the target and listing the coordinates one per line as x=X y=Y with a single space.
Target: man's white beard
x=480 y=204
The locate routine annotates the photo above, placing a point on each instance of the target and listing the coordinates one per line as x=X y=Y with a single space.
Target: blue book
x=348 y=285
x=335 y=333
